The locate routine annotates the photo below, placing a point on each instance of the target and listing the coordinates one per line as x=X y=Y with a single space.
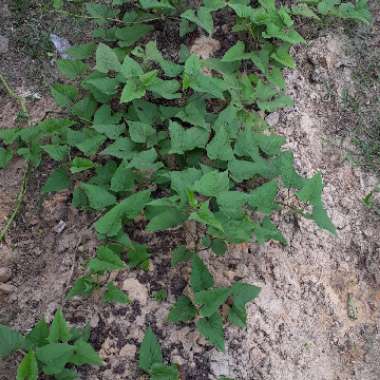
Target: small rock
x=6 y=255
x=59 y=227
x=4 y=11
x=129 y=350
x=135 y=290
x=94 y=321
x=4 y=44
x=219 y=364
x=5 y=274
x=176 y=359
x=273 y=118
x=6 y=289
x=205 y=47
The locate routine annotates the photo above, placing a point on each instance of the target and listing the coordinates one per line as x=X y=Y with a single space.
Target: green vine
x=174 y=142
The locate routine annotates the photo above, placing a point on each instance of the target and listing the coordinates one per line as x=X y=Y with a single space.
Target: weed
x=179 y=141
x=49 y=349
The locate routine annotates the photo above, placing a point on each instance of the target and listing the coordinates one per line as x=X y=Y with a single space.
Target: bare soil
x=318 y=316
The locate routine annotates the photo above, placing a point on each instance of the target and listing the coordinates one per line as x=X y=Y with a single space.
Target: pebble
x=7 y=289
x=4 y=44
x=136 y=290
x=5 y=274
x=273 y=118
x=129 y=350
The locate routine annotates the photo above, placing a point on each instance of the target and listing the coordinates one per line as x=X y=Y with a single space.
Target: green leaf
x=203 y=18
x=170 y=69
x=289 y=175
x=110 y=130
x=110 y=223
x=182 y=181
x=201 y=278
x=219 y=147
x=231 y=203
x=150 y=351
x=180 y=255
x=122 y=148
x=358 y=11
x=129 y=35
x=320 y=217
x=131 y=68
x=83 y=287
x=160 y=295
x=59 y=330
x=85 y=108
x=91 y=145
x=56 y=152
x=85 y=354
x=71 y=69
x=145 y=160
x=182 y=311
x=28 y=368
x=268 y=231
x=54 y=356
x=164 y=372
x=212 y=183
x=270 y=144
x=58 y=180
x=98 y=197
x=282 y=56
x=10 y=341
x=274 y=105
x=235 y=53
x=205 y=216
x=6 y=156
x=304 y=10
x=100 y=12
x=169 y=218
x=263 y=197
x=138 y=256
x=312 y=190
x=38 y=336
x=237 y=315
x=212 y=329
x=219 y=247
x=105 y=261
x=132 y=90
x=67 y=374
x=64 y=94
x=183 y=140
x=290 y=36
x=115 y=295
x=106 y=59
x=123 y=179
x=80 y=164
x=140 y=132
x=210 y=300
x=81 y=51
x=166 y=89
x=156 y=4
x=243 y=293
x=106 y=86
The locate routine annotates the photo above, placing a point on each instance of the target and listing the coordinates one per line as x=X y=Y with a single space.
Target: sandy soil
x=318 y=316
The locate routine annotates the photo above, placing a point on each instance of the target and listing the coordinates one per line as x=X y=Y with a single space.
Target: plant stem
x=105 y=18
x=13 y=94
x=25 y=177
x=19 y=199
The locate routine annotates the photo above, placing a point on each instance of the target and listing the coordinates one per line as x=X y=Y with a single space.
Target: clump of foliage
x=172 y=142
x=151 y=360
x=54 y=350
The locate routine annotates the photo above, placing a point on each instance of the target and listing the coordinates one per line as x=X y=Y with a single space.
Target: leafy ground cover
x=193 y=148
